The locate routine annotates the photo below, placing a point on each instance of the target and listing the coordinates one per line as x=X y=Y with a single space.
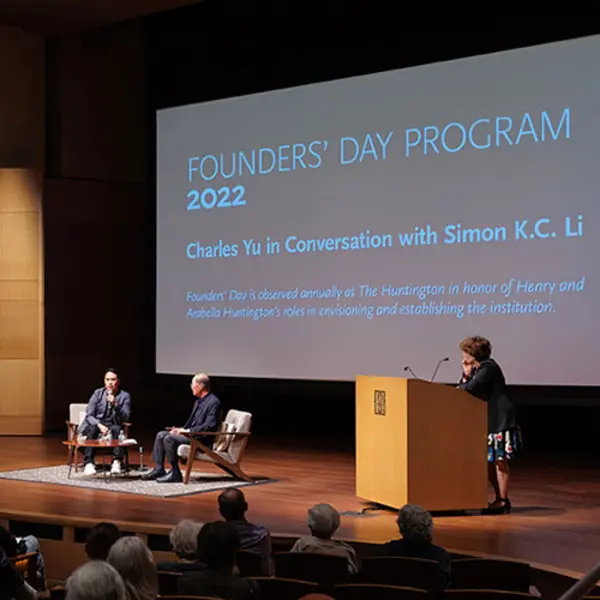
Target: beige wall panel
x=19 y=289
x=20 y=242
x=21 y=397
x=19 y=329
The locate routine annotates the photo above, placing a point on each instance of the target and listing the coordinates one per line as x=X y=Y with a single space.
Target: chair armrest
x=195 y=434
x=25 y=565
x=21 y=557
x=71 y=430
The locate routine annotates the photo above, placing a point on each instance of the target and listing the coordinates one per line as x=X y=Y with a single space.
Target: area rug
x=200 y=483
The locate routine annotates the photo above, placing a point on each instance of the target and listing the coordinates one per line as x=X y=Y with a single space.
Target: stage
x=555 y=521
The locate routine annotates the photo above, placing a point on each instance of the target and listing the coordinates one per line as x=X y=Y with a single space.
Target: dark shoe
x=499 y=506
x=154 y=474
x=171 y=478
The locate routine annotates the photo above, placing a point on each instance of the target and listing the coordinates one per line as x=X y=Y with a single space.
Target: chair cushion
x=77 y=413
x=237 y=422
x=222 y=441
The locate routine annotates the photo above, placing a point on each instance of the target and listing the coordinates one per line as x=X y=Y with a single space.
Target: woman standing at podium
x=482 y=377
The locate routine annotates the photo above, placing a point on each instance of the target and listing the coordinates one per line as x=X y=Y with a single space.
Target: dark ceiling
x=61 y=17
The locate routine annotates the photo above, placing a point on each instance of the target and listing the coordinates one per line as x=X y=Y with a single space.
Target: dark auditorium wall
x=95 y=206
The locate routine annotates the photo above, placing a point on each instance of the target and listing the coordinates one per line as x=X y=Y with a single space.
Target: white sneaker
x=116 y=468
x=90 y=469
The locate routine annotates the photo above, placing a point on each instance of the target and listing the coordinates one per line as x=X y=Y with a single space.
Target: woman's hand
x=469 y=364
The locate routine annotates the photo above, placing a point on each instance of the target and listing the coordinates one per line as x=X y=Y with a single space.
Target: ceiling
x=60 y=17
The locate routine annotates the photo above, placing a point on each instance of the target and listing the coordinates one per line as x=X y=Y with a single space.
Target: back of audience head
x=7 y=542
x=100 y=540
x=133 y=560
x=415 y=524
x=323 y=520
x=184 y=539
x=232 y=504
x=218 y=544
x=96 y=580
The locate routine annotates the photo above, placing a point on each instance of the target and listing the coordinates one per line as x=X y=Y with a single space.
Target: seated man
x=12 y=585
x=100 y=540
x=416 y=526
x=217 y=547
x=253 y=538
x=108 y=408
x=205 y=416
x=323 y=522
x=13 y=546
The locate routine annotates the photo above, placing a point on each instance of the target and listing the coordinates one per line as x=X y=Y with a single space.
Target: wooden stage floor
x=555 y=521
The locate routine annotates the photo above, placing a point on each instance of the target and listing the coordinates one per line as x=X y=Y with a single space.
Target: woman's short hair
x=184 y=538
x=415 y=524
x=323 y=520
x=478 y=347
x=133 y=560
x=96 y=580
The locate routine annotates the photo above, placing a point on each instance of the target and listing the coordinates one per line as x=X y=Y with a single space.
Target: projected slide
x=356 y=226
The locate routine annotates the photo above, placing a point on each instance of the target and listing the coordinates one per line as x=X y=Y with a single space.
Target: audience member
x=184 y=541
x=12 y=585
x=323 y=522
x=218 y=544
x=100 y=540
x=96 y=580
x=14 y=546
x=253 y=538
x=133 y=560
x=416 y=527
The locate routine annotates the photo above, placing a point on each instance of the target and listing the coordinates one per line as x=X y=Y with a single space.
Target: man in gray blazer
x=108 y=408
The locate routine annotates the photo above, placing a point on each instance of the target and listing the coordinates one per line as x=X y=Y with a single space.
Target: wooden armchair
x=77 y=414
x=227 y=450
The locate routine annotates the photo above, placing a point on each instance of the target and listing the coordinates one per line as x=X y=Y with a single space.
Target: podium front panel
x=381 y=440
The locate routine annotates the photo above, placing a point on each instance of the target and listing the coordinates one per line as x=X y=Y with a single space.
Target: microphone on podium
x=407 y=368
x=438 y=366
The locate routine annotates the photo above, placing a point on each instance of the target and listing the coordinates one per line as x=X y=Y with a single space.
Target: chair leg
x=190 y=463
x=232 y=469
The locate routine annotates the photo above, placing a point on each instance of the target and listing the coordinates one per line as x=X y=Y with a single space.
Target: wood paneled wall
x=21 y=303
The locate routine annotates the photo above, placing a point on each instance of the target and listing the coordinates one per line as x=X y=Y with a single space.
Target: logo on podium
x=379 y=402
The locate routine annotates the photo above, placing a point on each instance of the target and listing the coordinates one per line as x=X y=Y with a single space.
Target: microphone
x=407 y=368
x=438 y=366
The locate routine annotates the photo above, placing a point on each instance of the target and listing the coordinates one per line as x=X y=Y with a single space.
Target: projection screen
x=359 y=225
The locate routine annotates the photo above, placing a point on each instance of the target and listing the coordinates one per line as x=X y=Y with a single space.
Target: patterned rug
x=200 y=483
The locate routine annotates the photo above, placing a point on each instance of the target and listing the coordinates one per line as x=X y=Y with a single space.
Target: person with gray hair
x=184 y=541
x=96 y=580
x=133 y=560
x=206 y=416
x=323 y=521
x=416 y=527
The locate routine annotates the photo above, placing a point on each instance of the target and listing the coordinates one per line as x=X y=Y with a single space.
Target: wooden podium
x=420 y=443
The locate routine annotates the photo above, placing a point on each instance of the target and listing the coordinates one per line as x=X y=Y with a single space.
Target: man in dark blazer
x=206 y=416
x=108 y=408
